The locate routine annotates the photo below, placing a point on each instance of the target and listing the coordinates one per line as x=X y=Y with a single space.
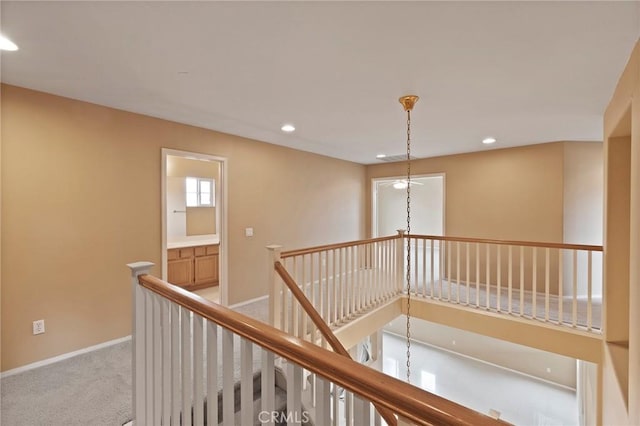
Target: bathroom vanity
x=193 y=265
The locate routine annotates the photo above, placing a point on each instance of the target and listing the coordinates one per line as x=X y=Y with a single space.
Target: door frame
x=374 y=197
x=221 y=199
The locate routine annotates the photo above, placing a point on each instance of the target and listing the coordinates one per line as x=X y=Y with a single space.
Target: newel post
x=400 y=276
x=275 y=285
x=137 y=341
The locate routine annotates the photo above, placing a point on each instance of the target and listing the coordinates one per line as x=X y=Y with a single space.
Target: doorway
x=194 y=222
x=389 y=209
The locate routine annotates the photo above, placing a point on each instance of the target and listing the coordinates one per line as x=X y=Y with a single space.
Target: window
x=200 y=192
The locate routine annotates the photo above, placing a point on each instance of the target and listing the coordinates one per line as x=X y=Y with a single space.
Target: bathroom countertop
x=193 y=243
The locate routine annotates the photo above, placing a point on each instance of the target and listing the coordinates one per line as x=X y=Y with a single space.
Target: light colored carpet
x=92 y=389
x=89 y=389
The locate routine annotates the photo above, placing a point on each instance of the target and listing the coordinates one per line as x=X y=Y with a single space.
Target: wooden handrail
x=509 y=243
x=318 y=249
x=335 y=344
x=410 y=402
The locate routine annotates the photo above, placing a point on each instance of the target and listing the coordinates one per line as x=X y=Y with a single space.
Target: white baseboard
x=63 y=357
x=246 y=302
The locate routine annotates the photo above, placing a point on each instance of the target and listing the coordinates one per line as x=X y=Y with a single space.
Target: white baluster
x=149 y=355
x=157 y=359
x=467 y=277
x=546 y=283
x=488 y=276
x=294 y=394
x=424 y=268
x=499 y=277
x=433 y=270
x=560 y=286
x=228 y=402
x=458 y=272
x=274 y=284
x=361 y=411
x=176 y=372
x=400 y=277
x=212 y=373
x=534 y=284
x=521 y=280
x=441 y=254
x=348 y=408
x=575 y=289
x=449 y=271
x=138 y=343
x=246 y=382
x=510 y=283
x=187 y=384
x=305 y=290
x=589 y=288
x=323 y=407
x=477 y=275
x=415 y=266
x=267 y=392
x=295 y=305
x=198 y=372
x=166 y=361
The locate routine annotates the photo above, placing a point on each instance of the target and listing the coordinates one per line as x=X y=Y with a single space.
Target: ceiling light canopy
x=288 y=128
x=489 y=140
x=6 y=44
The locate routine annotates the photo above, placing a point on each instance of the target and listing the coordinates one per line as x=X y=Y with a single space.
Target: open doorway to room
x=390 y=205
x=194 y=237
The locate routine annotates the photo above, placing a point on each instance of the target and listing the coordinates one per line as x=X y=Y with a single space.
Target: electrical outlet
x=38 y=327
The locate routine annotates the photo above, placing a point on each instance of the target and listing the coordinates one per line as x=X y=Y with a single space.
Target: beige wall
x=511 y=194
x=81 y=198
x=583 y=210
x=621 y=368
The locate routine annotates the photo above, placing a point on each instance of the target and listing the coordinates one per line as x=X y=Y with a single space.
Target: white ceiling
x=524 y=72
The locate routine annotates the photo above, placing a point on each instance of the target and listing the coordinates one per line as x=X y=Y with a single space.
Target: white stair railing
x=559 y=284
x=196 y=362
x=341 y=281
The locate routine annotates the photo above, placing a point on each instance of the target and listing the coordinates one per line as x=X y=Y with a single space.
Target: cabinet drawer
x=173 y=254
x=200 y=251
x=215 y=249
x=186 y=252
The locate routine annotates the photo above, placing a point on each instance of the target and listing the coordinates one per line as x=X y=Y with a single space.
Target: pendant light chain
x=408 y=246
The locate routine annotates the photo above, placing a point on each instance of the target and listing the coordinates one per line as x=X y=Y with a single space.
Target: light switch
x=248 y=232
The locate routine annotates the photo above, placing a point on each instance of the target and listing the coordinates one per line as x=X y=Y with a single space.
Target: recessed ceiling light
x=6 y=44
x=288 y=128
x=488 y=140
x=381 y=155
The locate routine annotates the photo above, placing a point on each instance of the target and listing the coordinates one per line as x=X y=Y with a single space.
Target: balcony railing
x=559 y=284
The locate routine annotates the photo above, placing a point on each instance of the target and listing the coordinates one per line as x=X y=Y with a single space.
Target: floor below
x=520 y=400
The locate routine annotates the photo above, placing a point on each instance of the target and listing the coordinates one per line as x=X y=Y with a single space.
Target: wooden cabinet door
x=180 y=272
x=206 y=270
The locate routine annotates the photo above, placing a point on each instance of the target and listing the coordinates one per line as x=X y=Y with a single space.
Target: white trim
x=63 y=357
x=247 y=302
